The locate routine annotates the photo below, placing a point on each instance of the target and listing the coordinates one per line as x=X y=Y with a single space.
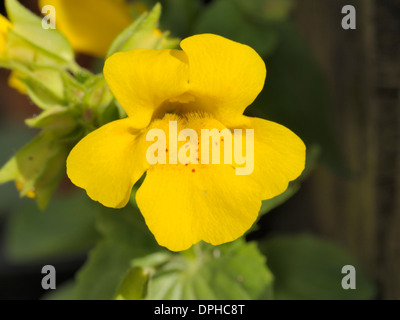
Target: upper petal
x=225 y=76
x=90 y=25
x=143 y=79
x=108 y=162
x=209 y=203
x=211 y=74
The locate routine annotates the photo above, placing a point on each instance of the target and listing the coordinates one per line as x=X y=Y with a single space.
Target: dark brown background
x=363 y=71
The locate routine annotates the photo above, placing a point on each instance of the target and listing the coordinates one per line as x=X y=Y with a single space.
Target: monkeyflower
x=206 y=85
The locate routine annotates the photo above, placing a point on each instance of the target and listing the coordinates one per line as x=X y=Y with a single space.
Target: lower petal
x=201 y=202
x=279 y=155
x=108 y=162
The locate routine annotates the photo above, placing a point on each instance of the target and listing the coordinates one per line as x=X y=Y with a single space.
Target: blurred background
x=337 y=89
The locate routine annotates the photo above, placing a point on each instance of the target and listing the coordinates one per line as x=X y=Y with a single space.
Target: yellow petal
x=4 y=26
x=16 y=83
x=279 y=155
x=142 y=80
x=31 y=194
x=90 y=25
x=211 y=74
x=108 y=162
x=225 y=76
x=209 y=203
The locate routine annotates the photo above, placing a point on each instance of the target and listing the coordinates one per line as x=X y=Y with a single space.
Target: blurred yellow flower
x=16 y=83
x=91 y=25
x=30 y=193
x=13 y=80
x=4 y=26
x=207 y=85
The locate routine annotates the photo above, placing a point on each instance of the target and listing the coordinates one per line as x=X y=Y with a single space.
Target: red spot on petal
x=194 y=170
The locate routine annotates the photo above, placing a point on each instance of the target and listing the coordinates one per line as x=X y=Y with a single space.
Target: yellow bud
x=30 y=193
x=157 y=32
x=16 y=83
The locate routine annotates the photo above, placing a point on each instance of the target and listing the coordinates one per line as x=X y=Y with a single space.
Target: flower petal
x=209 y=203
x=16 y=83
x=279 y=155
x=4 y=26
x=108 y=162
x=90 y=25
x=143 y=79
x=225 y=76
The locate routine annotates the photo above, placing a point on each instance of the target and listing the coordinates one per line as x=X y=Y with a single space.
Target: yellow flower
x=90 y=25
x=16 y=83
x=31 y=194
x=4 y=26
x=13 y=80
x=208 y=85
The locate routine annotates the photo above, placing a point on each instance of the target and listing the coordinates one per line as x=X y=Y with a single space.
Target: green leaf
x=99 y=99
x=39 y=95
x=17 y=13
x=107 y=263
x=27 y=43
x=308 y=268
x=45 y=86
x=141 y=34
x=226 y=18
x=128 y=254
x=49 y=79
x=28 y=27
x=66 y=227
x=134 y=285
x=126 y=237
x=233 y=271
x=12 y=136
x=98 y=95
x=37 y=168
x=59 y=121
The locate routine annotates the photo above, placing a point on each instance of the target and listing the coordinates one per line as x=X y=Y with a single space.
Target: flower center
x=189 y=141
